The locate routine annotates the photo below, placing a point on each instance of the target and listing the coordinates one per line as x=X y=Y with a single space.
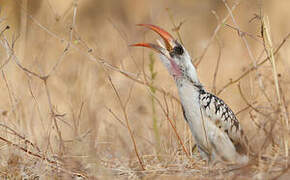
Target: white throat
x=192 y=74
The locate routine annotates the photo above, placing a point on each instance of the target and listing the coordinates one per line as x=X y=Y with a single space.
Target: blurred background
x=75 y=116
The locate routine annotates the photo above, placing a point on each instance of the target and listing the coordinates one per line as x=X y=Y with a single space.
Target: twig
x=6 y=28
x=216 y=68
x=262 y=88
x=261 y=127
x=251 y=68
x=134 y=77
x=97 y=59
x=269 y=133
x=249 y=104
x=21 y=137
x=175 y=28
x=29 y=152
x=242 y=33
x=10 y=94
x=59 y=60
x=5 y=62
x=124 y=38
x=127 y=122
x=166 y=113
x=7 y=52
x=44 y=78
x=124 y=125
x=271 y=164
x=52 y=163
x=54 y=117
x=23 y=30
x=242 y=110
x=37 y=103
x=198 y=61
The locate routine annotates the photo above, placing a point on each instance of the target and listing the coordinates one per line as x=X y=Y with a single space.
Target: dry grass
x=77 y=102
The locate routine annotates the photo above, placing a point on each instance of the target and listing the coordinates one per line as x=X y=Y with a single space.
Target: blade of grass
x=153 y=75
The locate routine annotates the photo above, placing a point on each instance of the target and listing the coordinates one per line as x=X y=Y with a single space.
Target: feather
x=217 y=111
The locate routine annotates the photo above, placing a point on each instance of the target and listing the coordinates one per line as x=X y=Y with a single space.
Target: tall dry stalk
x=269 y=49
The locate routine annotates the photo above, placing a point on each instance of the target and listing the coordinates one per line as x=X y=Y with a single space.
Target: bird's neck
x=190 y=75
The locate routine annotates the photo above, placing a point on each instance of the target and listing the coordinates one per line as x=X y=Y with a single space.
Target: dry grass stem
x=269 y=49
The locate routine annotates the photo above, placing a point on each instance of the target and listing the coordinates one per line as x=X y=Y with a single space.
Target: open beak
x=164 y=49
x=167 y=39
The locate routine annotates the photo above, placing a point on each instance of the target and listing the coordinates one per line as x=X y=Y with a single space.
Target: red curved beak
x=169 y=44
x=167 y=38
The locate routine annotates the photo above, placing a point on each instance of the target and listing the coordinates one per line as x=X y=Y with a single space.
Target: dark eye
x=178 y=50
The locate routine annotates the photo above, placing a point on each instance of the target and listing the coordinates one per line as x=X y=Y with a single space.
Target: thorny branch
x=199 y=59
x=252 y=67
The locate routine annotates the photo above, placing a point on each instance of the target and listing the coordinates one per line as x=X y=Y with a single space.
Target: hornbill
x=214 y=126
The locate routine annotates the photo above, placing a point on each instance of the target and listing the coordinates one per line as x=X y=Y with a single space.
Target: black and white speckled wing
x=224 y=118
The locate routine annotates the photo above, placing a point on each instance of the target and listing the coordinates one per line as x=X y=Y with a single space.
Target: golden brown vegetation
x=77 y=102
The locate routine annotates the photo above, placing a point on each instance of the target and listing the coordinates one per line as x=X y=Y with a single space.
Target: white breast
x=189 y=96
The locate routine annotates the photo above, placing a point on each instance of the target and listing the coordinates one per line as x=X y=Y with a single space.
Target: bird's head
x=172 y=54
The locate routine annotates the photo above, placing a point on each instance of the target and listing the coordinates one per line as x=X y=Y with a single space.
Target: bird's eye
x=178 y=50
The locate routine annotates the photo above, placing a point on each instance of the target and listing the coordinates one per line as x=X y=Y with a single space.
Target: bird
x=217 y=132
